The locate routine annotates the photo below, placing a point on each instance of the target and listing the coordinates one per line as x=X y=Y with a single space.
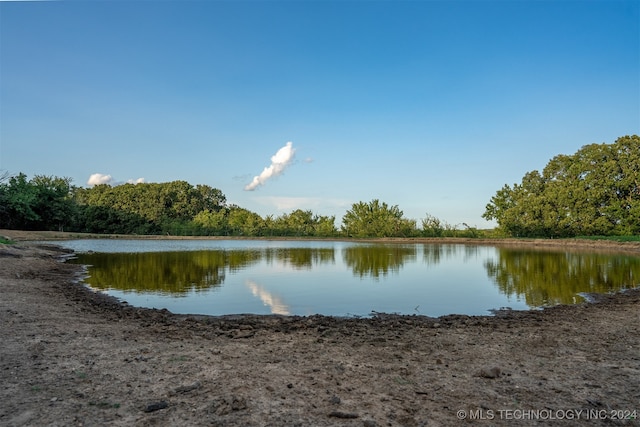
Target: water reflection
x=300 y=258
x=173 y=273
x=549 y=278
x=274 y=302
x=433 y=254
x=337 y=277
x=378 y=260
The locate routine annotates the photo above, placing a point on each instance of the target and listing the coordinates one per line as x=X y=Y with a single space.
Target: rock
x=492 y=373
x=335 y=400
x=187 y=388
x=239 y=334
x=156 y=406
x=343 y=415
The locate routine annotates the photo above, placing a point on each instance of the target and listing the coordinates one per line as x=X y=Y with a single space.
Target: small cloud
x=279 y=163
x=308 y=160
x=99 y=178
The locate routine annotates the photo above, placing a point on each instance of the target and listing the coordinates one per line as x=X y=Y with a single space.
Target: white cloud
x=99 y=178
x=279 y=162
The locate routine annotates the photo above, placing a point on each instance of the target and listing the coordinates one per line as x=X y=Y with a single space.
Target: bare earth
x=70 y=357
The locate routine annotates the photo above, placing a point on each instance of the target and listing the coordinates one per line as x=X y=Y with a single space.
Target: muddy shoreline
x=73 y=357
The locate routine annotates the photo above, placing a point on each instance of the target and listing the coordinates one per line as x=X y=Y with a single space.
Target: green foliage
x=147 y=208
x=53 y=205
x=612 y=238
x=177 y=208
x=18 y=198
x=434 y=227
x=237 y=221
x=302 y=223
x=42 y=203
x=376 y=219
x=595 y=191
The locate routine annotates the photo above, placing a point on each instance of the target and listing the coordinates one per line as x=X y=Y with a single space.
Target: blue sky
x=429 y=105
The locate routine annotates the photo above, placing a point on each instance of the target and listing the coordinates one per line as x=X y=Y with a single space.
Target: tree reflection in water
x=539 y=278
x=547 y=278
x=378 y=260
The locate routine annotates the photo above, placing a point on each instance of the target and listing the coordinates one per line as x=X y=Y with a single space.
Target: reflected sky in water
x=218 y=277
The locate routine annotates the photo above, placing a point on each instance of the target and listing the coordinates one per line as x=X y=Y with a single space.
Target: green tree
x=213 y=222
x=243 y=222
x=168 y=207
x=376 y=219
x=54 y=204
x=432 y=227
x=324 y=226
x=19 y=198
x=595 y=191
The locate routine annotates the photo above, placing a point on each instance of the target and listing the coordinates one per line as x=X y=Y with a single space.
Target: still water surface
x=218 y=277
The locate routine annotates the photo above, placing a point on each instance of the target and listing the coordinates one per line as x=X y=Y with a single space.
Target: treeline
x=595 y=191
x=179 y=208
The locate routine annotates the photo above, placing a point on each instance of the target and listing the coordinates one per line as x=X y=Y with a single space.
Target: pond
x=217 y=277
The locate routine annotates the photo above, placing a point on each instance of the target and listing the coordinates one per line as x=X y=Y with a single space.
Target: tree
x=595 y=191
x=376 y=219
x=214 y=223
x=243 y=222
x=168 y=207
x=432 y=227
x=324 y=226
x=19 y=199
x=54 y=204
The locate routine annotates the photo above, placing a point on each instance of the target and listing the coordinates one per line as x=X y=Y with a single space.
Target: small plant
x=403 y=381
x=178 y=359
x=6 y=241
x=105 y=405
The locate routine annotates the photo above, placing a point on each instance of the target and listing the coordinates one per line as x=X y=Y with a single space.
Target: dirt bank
x=72 y=357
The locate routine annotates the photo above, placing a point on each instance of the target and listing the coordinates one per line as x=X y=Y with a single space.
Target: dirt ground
x=69 y=356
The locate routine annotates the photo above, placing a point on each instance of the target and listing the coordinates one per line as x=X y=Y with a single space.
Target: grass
x=105 y=405
x=5 y=241
x=178 y=359
x=612 y=238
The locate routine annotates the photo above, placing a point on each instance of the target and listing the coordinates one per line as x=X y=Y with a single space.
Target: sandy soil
x=70 y=357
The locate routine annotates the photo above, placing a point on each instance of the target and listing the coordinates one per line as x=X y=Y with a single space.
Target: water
x=218 y=277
